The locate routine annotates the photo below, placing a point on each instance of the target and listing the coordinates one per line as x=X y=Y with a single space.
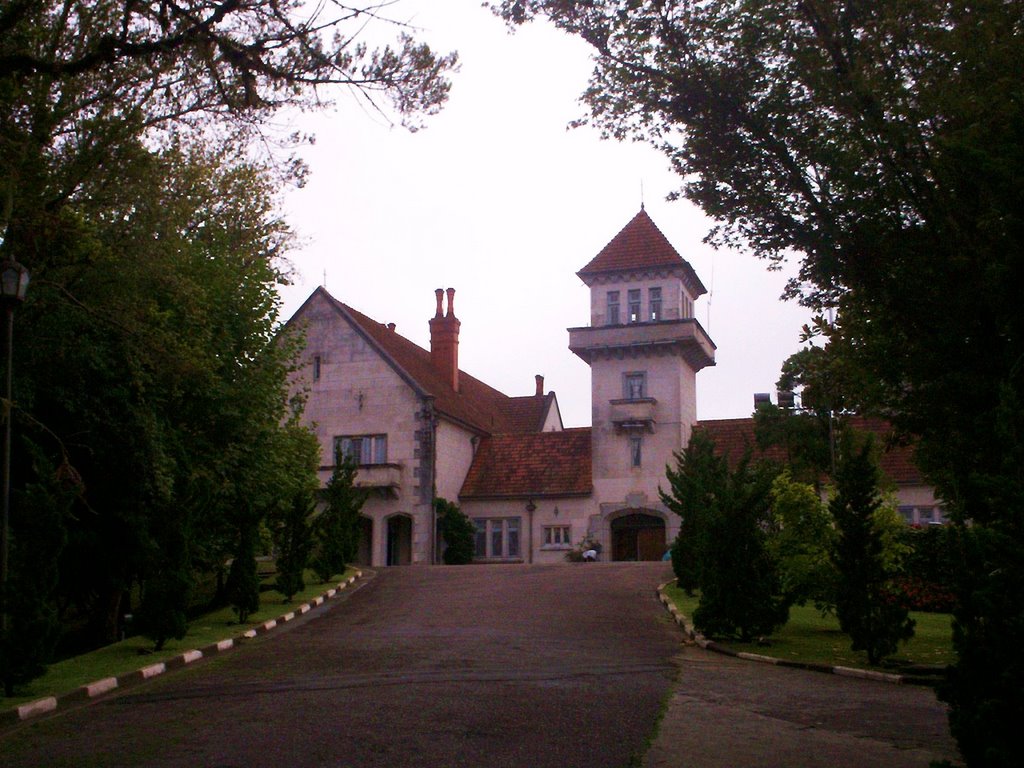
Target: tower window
x=654 y=302
x=634 y=385
x=613 y=307
x=634 y=305
x=316 y=368
x=635 y=451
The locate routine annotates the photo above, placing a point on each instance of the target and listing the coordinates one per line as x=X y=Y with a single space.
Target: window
x=634 y=385
x=613 y=308
x=316 y=368
x=497 y=538
x=654 y=303
x=557 y=537
x=363 y=449
x=635 y=451
x=634 y=305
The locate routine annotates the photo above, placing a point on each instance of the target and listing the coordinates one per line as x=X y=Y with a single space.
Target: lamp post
x=13 y=285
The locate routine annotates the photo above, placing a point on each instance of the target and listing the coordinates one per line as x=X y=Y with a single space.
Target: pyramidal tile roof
x=531 y=466
x=640 y=245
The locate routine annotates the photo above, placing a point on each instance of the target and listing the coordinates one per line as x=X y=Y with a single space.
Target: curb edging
x=710 y=645
x=98 y=688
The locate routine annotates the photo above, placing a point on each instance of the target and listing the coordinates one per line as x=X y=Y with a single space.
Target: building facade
x=420 y=428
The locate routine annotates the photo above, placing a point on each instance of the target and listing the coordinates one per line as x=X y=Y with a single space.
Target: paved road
x=526 y=666
x=473 y=666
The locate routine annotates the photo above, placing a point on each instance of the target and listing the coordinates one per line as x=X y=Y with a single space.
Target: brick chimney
x=444 y=339
x=540 y=385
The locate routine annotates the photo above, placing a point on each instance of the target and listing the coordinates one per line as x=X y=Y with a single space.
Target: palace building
x=420 y=428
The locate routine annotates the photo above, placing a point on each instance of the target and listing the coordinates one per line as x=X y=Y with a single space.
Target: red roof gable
x=531 y=466
x=640 y=245
x=733 y=436
x=476 y=404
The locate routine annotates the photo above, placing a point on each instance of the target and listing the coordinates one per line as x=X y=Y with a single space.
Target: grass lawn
x=810 y=637
x=137 y=652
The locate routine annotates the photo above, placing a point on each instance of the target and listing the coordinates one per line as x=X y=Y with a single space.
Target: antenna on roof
x=325 y=280
x=711 y=293
x=641 y=194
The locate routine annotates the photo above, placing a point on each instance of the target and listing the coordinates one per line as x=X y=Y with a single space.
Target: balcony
x=386 y=478
x=634 y=415
x=684 y=338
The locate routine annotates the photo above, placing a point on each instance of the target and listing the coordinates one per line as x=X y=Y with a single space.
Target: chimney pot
x=391 y=326
x=540 y=384
x=451 y=302
x=439 y=293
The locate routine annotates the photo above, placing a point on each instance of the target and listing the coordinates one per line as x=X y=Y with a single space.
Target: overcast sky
x=499 y=200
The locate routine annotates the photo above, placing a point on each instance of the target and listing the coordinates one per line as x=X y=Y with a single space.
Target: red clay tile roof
x=733 y=436
x=640 y=245
x=531 y=466
x=476 y=404
x=527 y=414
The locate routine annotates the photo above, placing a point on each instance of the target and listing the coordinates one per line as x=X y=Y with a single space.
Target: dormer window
x=613 y=307
x=654 y=303
x=634 y=305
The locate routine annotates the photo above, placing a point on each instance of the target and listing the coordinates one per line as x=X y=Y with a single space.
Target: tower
x=644 y=348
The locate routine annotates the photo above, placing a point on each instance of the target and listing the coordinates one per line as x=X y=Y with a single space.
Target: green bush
x=457 y=532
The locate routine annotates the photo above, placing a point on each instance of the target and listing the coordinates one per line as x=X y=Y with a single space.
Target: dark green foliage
x=881 y=143
x=457 y=532
x=166 y=580
x=149 y=219
x=866 y=602
x=293 y=539
x=243 y=584
x=988 y=632
x=726 y=540
x=38 y=518
x=929 y=578
x=337 y=526
x=694 y=484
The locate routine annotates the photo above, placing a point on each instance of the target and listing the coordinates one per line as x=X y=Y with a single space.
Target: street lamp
x=13 y=285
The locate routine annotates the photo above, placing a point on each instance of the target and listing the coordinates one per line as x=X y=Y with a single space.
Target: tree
x=457 y=532
x=694 y=485
x=880 y=144
x=728 y=512
x=865 y=598
x=243 y=584
x=37 y=528
x=293 y=540
x=801 y=541
x=337 y=525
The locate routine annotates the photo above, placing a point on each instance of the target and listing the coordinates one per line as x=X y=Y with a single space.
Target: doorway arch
x=364 y=549
x=638 y=536
x=399 y=540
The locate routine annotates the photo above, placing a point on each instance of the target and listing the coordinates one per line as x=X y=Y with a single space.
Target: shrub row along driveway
x=490 y=666
x=470 y=666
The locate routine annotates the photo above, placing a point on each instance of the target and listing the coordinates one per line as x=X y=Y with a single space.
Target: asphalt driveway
x=473 y=666
x=527 y=666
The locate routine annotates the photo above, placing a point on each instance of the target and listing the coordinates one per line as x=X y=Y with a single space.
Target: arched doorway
x=638 y=536
x=364 y=551
x=399 y=540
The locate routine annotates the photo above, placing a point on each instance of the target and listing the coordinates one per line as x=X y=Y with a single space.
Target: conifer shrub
x=867 y=605
x=457 y=532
